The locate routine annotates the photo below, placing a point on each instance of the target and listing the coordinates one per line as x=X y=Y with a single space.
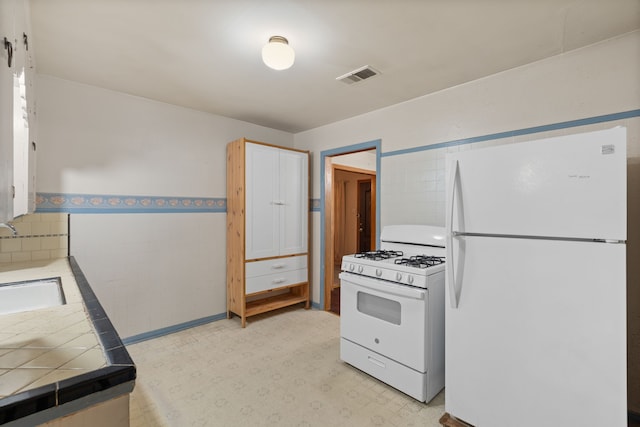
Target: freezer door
x=539 y=334
x=568 y=187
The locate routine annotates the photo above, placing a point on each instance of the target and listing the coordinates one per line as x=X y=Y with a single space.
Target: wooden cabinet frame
x=238 y=301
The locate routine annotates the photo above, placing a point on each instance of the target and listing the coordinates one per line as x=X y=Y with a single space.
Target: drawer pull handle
x=376 y=362
x=277 y=266
x=278 y=280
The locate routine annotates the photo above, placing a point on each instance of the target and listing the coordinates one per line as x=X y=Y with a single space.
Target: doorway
x=350 y=214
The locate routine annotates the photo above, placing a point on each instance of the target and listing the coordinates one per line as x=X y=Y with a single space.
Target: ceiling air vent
x=358 y=75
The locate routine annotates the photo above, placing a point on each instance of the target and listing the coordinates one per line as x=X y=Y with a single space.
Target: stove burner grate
x=379 y=255
x=421 y=261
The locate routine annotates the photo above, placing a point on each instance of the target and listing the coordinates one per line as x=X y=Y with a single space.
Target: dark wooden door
x=364 y=216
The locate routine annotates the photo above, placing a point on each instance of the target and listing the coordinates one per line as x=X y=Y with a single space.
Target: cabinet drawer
x=275 y=266
x=276 y=280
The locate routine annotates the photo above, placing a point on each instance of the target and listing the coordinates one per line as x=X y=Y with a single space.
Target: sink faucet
x=10 y=227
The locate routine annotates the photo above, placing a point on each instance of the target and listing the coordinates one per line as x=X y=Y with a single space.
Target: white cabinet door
x=276 y=201
x=23 y=114
x=30 y=73
x=17 y=111
x=262 y=201
x=6 y=109
x=294 y=190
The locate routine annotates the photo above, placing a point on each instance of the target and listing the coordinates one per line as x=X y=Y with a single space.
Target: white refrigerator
x=536 y=283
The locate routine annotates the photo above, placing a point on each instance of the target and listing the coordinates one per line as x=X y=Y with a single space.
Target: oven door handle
x=390 y=289
x=450 y=264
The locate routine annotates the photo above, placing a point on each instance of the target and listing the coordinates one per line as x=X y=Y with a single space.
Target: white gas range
x=392 y=310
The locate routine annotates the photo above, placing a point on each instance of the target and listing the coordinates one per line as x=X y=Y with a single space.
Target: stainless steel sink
x=30 y=295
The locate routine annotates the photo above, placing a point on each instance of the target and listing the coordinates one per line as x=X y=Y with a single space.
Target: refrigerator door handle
x=450 y=264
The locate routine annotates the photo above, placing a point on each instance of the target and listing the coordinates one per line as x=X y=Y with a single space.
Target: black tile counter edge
x=93 y=382
x=28 y=402
x=107 y=334
x=120 y=369
x=60 y=411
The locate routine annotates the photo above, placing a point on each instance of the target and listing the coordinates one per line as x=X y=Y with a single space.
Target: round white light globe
x=277 y=54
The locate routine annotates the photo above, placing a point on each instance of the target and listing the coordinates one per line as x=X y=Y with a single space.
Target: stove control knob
x=351 y=267
x=360 y=268
x=410 y=279
x=378 y=272
x=399 y=277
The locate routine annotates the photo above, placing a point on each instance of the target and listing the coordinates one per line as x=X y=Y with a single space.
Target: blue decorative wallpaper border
x=100 y=203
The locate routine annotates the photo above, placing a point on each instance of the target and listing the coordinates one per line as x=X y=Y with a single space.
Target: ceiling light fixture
x=277 y=54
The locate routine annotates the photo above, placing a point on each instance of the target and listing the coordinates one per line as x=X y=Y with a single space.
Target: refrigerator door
x=539 y=335
x=566 y=187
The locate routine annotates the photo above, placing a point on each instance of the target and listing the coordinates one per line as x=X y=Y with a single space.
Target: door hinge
x=9 y=47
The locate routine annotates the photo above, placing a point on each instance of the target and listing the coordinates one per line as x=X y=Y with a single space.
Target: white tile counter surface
x=47 y=345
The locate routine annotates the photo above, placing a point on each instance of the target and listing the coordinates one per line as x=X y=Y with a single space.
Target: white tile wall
x=41 y=236
x=413 y=188
x=152 y=271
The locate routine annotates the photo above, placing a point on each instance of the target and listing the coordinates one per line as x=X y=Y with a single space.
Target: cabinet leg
x=244 y=321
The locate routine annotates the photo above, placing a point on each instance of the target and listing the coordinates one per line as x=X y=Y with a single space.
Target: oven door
x=385 y=317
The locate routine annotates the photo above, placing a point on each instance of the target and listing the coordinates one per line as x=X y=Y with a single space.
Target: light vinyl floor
x=283 y=369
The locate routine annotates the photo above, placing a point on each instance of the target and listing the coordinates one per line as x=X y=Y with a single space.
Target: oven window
x=381 y=308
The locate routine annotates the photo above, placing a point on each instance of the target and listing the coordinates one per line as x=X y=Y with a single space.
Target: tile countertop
x=57 y=355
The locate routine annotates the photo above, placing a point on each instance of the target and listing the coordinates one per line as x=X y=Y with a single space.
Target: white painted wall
x=596 y=80
x=362 y=160
x=99 y=141
x=150 y=271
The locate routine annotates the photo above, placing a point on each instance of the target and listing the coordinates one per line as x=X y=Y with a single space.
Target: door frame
x=372 y=180
x=326 y=223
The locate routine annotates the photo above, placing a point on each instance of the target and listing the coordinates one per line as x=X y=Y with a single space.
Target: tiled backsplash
x=40 y=236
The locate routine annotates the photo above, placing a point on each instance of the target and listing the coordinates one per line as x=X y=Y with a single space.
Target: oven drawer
x=272 y=266
x=405 y=379
x=276 y=280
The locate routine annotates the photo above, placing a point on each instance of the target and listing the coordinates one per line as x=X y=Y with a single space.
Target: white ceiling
x=205 y=54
